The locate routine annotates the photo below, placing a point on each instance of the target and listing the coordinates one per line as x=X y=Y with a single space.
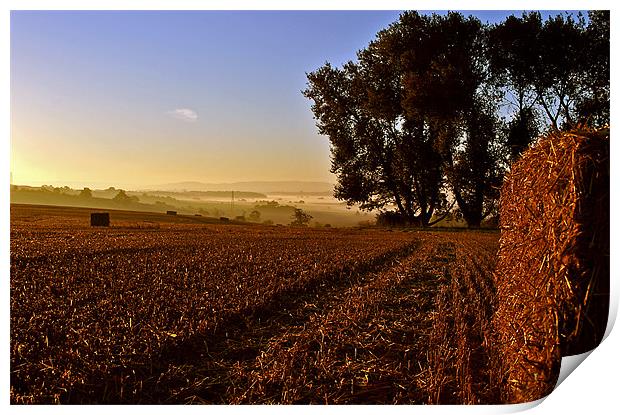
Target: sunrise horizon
x=170 y=96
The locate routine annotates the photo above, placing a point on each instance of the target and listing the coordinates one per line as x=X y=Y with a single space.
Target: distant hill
x=208 y=194
x=261 y=187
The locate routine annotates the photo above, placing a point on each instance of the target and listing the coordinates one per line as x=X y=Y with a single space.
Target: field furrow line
x=362 y=346
x=461 y=364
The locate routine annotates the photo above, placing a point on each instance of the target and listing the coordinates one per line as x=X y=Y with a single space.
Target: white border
x=591 y=388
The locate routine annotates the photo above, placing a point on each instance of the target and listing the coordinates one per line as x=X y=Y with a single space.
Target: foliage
x=555 y=73
x=122 y=197
x=86 y=192
x=592 y=104
x=380 y=155
x=421 y=117
x=300 y=218
x=254 y=216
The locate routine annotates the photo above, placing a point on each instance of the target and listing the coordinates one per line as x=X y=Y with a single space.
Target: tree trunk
x=474 y=221
x=471 y=214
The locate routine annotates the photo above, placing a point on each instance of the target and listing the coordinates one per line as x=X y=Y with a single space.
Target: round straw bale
x=552 y=273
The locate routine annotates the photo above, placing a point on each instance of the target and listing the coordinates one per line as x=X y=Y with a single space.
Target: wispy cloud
x=184 y=114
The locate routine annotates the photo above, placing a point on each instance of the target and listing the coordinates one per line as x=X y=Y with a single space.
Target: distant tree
x=122 y=197
x=300 y=218
x=254 y=216
x=267 y=204
x=86 y=193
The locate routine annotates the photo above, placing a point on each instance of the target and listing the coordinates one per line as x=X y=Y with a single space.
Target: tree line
x=429 y=117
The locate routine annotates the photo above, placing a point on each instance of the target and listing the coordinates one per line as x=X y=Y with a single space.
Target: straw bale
x=100 y=219
x=552 y=274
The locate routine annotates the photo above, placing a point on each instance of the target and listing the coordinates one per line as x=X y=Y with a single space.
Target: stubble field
x=159 y=309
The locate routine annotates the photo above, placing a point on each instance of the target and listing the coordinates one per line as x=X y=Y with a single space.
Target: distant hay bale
x=552 y=274
x=171 y=212
x=100 y=219
x=224 y=219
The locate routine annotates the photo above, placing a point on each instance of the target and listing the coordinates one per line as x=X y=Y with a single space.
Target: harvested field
x=193 y=312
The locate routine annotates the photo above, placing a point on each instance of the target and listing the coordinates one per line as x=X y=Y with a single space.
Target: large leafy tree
x=380 y=158
x=435 y=106
x=560 y=66
x=513 y=60
x=450 y=87
x=473 y=165
x=447 y=92
x=554 y=73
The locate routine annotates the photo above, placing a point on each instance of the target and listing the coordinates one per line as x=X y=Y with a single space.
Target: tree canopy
x=86 y=192
x=300 y=218
x=433 y=109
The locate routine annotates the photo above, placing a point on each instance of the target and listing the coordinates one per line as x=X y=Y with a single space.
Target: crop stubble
x=183 y=313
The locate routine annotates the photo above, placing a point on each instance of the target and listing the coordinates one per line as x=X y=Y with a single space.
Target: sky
x=139 y=98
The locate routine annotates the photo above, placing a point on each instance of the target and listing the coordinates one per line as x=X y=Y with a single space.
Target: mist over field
x=269 y=202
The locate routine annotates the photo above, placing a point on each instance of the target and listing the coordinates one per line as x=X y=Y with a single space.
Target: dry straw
x=552 y=274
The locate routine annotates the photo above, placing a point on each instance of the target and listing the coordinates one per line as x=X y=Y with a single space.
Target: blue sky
x=147 y=97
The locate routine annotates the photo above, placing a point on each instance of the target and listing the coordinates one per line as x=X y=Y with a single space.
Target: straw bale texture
x=552 y=274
